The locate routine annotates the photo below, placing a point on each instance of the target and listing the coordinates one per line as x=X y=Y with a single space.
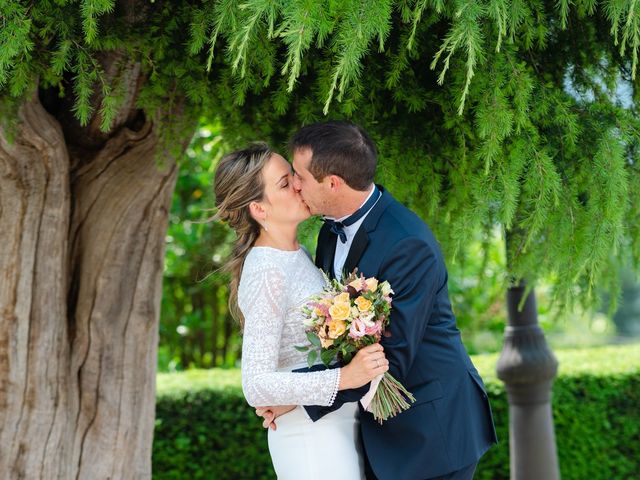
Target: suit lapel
x=326 y=251
x=361 y=239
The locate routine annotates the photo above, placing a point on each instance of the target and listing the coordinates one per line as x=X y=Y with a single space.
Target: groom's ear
x=335 y=182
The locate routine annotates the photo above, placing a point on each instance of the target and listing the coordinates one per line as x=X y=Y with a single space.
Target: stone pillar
x=528 y=367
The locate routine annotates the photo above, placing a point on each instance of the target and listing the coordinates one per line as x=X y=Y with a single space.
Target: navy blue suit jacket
x=450 y=425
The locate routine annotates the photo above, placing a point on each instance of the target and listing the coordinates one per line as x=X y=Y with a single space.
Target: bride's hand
x=269 y=414
x=368 y=363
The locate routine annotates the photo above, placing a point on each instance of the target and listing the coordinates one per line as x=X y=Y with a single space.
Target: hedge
x=205 y=430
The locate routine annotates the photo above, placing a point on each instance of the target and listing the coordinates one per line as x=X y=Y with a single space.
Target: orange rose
x=326 y=342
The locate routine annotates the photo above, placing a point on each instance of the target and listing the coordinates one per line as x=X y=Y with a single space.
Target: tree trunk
x=81 y=260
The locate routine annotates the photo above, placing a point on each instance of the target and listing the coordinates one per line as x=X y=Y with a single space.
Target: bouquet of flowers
x=346 y=317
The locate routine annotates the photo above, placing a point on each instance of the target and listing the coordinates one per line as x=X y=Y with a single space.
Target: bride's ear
x=257 y=211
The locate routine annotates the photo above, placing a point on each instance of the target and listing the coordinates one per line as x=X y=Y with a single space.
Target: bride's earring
x=265 y=226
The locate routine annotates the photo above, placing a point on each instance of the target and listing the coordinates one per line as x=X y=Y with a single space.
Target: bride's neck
x=278 y=238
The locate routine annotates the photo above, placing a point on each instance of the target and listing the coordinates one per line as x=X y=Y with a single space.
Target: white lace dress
x=273 y=285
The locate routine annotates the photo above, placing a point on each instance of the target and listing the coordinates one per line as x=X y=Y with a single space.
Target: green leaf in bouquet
x=346 y=351
x=328 y=355
x=302 y=348
x=368 y=340
x=348 y=348
x=314 y=339
x=311 y=358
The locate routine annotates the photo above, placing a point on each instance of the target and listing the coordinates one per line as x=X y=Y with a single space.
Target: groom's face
x=315 y=194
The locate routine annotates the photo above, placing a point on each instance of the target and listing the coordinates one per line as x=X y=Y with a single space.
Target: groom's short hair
x=338 y=148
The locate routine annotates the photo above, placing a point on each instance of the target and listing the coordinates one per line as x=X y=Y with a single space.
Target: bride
x=272 y=276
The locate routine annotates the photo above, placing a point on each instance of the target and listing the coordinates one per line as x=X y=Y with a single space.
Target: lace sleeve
x=263 y=305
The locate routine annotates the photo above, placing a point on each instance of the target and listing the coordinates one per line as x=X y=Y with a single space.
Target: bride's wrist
x=345 y=378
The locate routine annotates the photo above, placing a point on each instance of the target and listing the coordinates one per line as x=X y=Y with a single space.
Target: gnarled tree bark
x=82 y=233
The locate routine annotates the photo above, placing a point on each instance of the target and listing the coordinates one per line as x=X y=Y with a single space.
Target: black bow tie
x=338 y=227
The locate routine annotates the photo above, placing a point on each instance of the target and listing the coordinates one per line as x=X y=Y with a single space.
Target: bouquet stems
x=390 y=399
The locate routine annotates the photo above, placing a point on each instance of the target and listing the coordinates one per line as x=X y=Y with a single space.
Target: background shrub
x=205 y=429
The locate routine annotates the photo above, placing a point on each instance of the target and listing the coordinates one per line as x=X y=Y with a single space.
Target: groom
x=449 y=427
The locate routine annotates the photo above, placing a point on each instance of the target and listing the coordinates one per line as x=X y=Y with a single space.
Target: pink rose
x=358 y=329
x=374 y=330
x=359 y=284
x=322 y=307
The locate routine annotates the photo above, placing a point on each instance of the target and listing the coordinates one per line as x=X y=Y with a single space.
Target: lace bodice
x=273 y=285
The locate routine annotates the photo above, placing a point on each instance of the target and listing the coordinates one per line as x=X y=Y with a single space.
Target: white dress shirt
x=342 y=249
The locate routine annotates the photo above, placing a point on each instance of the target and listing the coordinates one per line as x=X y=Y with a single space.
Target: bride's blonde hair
x=238 y=182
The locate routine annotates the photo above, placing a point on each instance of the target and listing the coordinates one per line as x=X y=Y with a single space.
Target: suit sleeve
x=415 y=275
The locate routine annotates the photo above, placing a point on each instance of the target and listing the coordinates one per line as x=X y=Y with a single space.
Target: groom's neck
x=350 y=201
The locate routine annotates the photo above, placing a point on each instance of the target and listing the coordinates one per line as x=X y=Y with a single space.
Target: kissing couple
x=316 y=426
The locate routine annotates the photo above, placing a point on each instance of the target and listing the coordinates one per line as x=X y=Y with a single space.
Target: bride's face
x=282 y=203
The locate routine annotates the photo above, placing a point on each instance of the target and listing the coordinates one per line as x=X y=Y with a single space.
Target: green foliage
x=204 y=428
x=91 y=10
x=15 y=46
x=486 y=112
x=196 y=328
x=209 y=434
x=476 y=287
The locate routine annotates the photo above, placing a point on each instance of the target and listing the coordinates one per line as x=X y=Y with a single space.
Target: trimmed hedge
x=205 y=430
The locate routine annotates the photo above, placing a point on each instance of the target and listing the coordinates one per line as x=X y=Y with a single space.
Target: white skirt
x=328 y=448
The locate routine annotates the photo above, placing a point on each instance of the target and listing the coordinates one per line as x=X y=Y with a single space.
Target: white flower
x=311 y=320
x=368 y=319
x=386 y=289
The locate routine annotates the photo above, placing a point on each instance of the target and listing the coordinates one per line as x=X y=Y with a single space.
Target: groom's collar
x=361 y=239
x=371 y=220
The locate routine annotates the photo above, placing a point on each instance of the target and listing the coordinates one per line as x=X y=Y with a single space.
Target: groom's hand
x=269 y=414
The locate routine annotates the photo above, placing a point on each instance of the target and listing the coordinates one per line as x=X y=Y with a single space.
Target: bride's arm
x=354 y=382
x=263 y=304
